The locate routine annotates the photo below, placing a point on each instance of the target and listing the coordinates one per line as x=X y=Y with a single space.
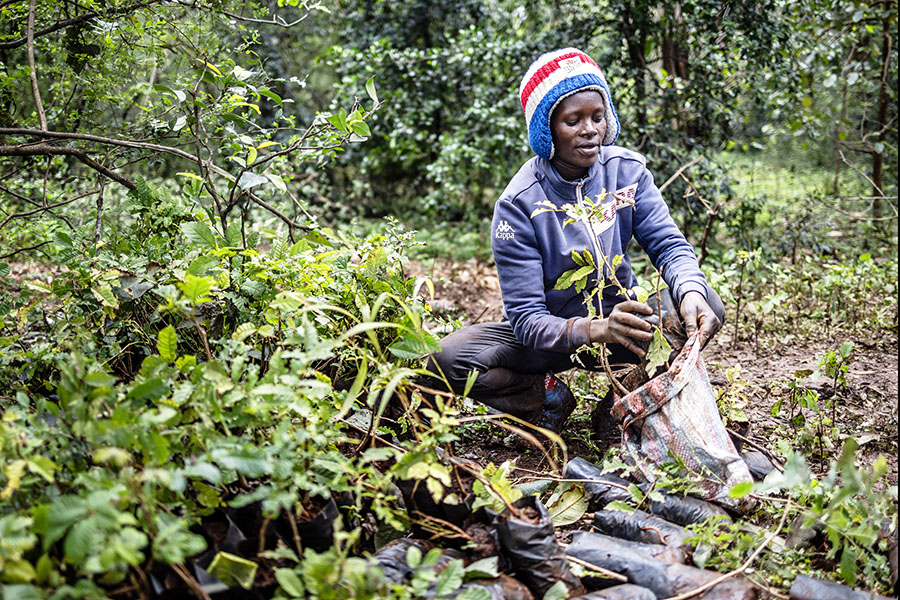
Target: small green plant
x=734 y=398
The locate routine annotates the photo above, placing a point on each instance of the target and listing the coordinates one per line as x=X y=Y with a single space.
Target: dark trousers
x=511 y=376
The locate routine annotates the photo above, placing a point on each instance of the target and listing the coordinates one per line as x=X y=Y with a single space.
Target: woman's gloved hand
x=624 y=327
x=699 y=316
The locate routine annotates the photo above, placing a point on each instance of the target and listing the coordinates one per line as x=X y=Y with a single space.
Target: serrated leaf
x=80 y=540
x=659 y=351
x=848 y=564
x=199 y=234
x=167 y=343
x=233 y=235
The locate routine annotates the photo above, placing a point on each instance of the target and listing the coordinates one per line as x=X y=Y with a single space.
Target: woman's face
x=577 y=126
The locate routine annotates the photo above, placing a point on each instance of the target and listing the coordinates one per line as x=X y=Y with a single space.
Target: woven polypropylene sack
x=676 y=413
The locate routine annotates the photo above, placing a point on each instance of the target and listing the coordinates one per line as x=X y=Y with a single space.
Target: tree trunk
x=878 y=156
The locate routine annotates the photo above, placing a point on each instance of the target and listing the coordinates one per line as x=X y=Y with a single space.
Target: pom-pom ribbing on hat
x=550 y=79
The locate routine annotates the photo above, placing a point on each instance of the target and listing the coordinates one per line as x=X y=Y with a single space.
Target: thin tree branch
x=99 y=223
x=34 y=211
x=674 y=175
x=43 y=149
x=852 y=166
x=32 y=71
x=10 y=44
x=35 y=247
x=290 y=223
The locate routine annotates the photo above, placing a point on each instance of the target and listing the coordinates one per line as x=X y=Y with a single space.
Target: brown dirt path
x=469 y=291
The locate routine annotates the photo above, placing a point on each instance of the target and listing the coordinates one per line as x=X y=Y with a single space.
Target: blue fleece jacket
x=533 y=249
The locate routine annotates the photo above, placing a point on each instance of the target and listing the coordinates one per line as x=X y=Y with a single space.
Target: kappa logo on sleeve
x=504 y=231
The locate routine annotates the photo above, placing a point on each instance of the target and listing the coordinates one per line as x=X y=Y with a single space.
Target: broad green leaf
x=111 y=455
x=848 y=564
x=80 y=540
x=231 y=569
x=569 y=506
x=99 y=380
x=290 y=582
x=13 y=472
x=250 y=180
x=191 y=175
x=233 y=235
x=640 y=294
x=104 y=294
x=18 y=571
x=474 y=593
x=659 y=351
x=277 y=181
x=199 y=234
x=450 y=578
x=741 y=489
x=370 y=89
x=167 y=343
x=558 y=591
x=243 y=331
x=486 y=567
x=413 y=557
x=196 y=288
x=42 y=466
x=252 y=153
x=361 y=128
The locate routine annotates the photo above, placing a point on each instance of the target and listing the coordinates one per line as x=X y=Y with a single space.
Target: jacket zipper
x=596 y=244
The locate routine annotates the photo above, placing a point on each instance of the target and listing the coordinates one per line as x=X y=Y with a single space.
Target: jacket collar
x=564 y=190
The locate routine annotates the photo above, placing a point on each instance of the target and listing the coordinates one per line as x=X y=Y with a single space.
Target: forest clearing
x=234 y=235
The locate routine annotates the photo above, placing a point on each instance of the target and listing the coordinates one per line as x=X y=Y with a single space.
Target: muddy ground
x=867 y=409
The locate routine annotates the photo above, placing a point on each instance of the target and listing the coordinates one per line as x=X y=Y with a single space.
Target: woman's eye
x=599 y=119
x=571 y=123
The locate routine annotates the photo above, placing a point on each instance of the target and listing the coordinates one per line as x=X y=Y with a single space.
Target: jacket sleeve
x=520 y=270
x=664 y=243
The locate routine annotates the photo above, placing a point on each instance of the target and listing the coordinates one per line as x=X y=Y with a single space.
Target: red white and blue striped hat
x=552 y=78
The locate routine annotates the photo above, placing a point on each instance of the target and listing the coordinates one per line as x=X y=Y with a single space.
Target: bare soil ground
x=867 y=409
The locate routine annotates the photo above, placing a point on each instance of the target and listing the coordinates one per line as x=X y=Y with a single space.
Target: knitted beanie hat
x=551 y=79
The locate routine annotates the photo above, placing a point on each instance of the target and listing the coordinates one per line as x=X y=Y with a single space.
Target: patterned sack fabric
x=676 y=414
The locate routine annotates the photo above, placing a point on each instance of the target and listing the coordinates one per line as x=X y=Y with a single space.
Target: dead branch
x=855 y=168
x=678 y=173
